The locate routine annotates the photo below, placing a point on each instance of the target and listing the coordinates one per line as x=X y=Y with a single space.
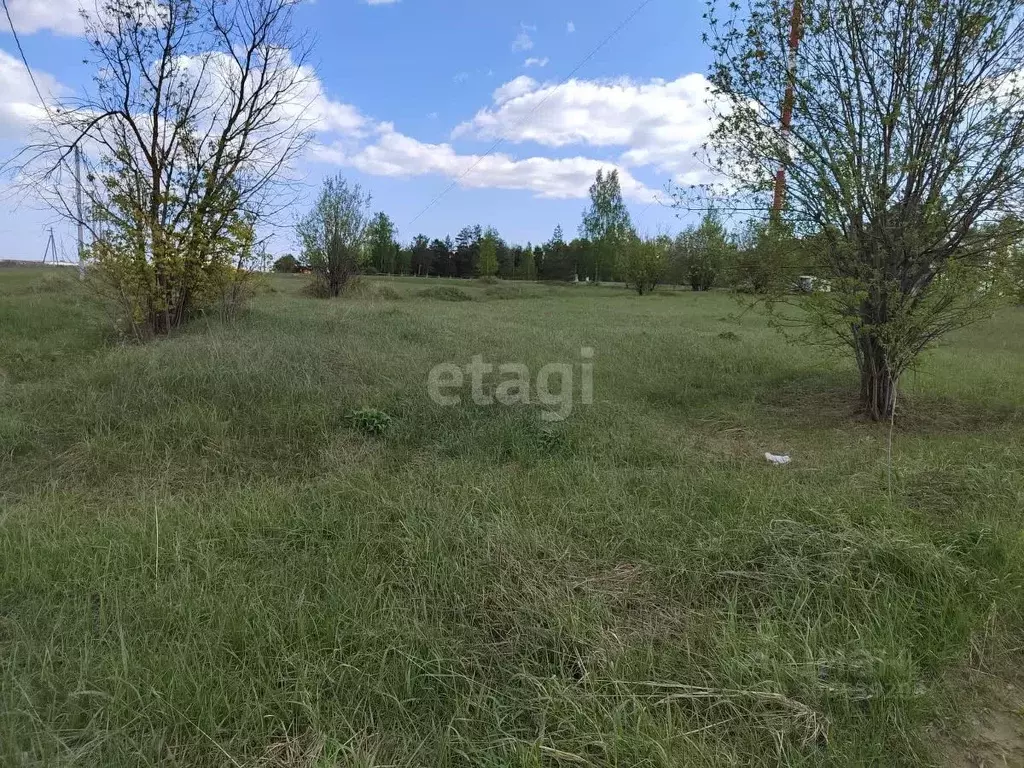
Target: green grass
x=206 y=558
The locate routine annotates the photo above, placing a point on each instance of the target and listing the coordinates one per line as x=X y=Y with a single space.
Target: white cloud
x=461 y=77
x=398 y=155
x=535 y=62
x=20 y=108
x=658 y=123
x=570 y=28
x=523 y=41
x=513 y=88
x=381 y=2
x=61 y=16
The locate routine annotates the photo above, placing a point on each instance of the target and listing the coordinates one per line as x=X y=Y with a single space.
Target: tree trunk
x=878 y=379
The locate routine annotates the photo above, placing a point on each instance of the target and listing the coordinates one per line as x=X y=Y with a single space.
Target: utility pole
x=81 y=221
x=51 y=249
x=795 y=31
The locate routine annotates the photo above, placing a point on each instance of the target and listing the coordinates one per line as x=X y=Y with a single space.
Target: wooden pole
x=795 y=31
x=81 y=222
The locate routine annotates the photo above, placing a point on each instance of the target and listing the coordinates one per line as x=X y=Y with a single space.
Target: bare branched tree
x=905 y=161
x=197 y=108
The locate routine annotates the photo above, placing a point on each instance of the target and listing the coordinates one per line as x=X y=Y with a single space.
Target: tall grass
x=206 y=563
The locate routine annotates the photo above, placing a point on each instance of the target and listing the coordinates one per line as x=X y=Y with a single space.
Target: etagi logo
x=553 y=387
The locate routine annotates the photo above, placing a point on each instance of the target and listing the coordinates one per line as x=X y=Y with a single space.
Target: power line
x=527 y=116
x=24 y=60
x=77 y=149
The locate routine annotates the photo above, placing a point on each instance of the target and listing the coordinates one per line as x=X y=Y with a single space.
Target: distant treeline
x=702 y=257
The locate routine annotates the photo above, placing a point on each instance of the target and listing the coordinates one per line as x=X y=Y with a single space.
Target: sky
x=449 y=112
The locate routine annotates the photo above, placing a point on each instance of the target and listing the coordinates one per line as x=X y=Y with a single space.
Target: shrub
x=333 y=233
x=155 y=295
x=287 y=264
x=768 y=259
x=644 y=264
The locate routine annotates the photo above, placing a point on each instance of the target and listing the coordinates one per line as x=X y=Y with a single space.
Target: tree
x=906 y=151
x=287 y=264
x=488 y=264
x=467 y=250
x=403 y=261
x=505 y=258
x=705 y=252
x=527 y=269
x=420 y=261
x=556 y=261
x=769 y=258
x=442 y=257
x=644 y=264
x=191 y=116
x=334 y=232
x=606 y=223
x=382 y=243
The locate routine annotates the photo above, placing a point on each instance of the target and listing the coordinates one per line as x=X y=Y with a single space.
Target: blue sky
x=413 y=94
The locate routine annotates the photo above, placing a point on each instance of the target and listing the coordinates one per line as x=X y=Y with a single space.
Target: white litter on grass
x=774 y=459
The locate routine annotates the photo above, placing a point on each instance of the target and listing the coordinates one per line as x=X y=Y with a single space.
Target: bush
x=287 y=264
x=768 y=259
x=333 y=233
x=644 y=264
x=153 y=296
x=703 y=254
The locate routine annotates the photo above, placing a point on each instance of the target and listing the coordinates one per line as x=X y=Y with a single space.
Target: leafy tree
x=506 y=259
x=184 y=131
x=906 y=148
x=644 y=264
x=556 y=261
x=420 y=256
x=403 y=263
x=442 y=258
x=557 y=237
x=286 y=264
x=606 y=223
x=488 y=264
x=333 y=233
x=527 y=264
x=467 y=250
x=769 y=258
x=708 y=252
x=382 y=243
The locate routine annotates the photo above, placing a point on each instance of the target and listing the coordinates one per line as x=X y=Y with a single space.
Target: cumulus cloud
x=514 y=88
x=395 y=154
x=349 y=138
x=60 y=16
x=20 y=108
x=535 y=62
x=658 y=123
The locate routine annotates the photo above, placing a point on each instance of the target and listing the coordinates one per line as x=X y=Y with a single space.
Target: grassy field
x=206 y=563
